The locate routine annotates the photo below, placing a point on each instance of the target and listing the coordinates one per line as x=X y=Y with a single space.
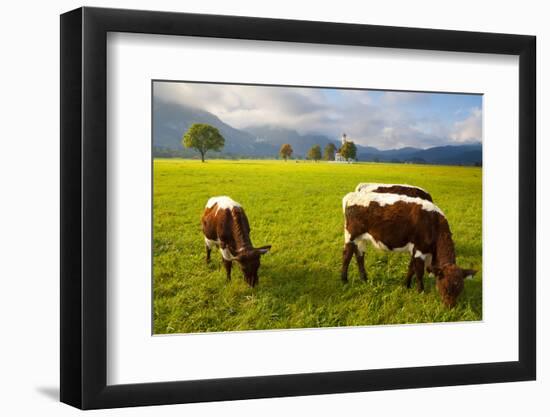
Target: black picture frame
x=84 y=207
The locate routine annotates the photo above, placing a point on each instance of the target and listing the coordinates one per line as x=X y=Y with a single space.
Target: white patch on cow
x=227 y=255
x=369 y=187
x=223 y=203
x=469 y=276
x=409 y=247
x=426 y=257
x=347 y=236
x=385 y=199
x=361 y=242
x=367 y=237
x=211 y=243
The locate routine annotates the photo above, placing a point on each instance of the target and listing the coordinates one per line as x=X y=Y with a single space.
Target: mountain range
x=171 y=121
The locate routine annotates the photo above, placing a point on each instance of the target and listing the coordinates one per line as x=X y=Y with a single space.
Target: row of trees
x=348 y=151
x=203 y=138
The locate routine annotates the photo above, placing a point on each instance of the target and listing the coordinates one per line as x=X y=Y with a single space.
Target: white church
x=338 y=157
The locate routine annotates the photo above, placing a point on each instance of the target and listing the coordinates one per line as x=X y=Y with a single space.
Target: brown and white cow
x=399 y=223
x=225 y=225
x=403 y=189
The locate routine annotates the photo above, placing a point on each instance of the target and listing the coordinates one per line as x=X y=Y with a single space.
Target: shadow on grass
x=292 y=283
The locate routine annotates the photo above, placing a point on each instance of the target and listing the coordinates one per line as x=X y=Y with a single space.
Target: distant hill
x=171 y=121
x=468 y=154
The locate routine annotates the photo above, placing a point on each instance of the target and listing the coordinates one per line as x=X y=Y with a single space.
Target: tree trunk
x=202 y=156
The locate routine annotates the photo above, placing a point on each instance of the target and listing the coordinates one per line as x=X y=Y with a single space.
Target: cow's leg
x=208 y=252
x=429 y=263
x=360 y=257
x=419 y=269
x=208 y=247
x=227 y=265
x=410 y=273
x=349 y=250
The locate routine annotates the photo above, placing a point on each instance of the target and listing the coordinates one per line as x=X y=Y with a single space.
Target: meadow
x=297 y=208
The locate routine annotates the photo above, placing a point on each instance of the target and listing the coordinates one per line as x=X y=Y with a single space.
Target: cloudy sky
x=382 y=119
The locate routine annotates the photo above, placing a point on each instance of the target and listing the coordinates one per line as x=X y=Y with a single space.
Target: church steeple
x=344 y=138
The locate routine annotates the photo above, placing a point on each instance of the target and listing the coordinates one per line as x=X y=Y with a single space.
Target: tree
x=314 y=153
x=203 y=138
x=328 y=154
x=348 y=150
x=286 y=151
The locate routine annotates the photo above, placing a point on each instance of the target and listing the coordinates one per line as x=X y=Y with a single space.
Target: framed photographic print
x=257 y=207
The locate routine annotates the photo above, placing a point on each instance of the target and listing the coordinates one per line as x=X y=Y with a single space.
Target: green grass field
x=297 y=208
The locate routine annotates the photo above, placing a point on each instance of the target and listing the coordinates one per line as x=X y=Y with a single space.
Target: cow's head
x=249 y=261
x=450 y=282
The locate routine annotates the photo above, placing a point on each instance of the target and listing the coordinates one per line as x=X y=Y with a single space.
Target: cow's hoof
x=363 y=277
x=344 y=278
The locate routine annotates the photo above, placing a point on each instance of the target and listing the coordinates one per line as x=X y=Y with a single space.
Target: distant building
x=337 y=156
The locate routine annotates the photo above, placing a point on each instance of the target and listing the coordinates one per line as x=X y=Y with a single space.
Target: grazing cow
x=225 y=225
x=399 y=223
x=403 y=189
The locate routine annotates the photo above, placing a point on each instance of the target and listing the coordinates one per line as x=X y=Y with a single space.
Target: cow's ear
x=263 y=250
x=468 y=273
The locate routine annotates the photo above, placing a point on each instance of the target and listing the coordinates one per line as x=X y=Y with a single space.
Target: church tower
x=338 y=156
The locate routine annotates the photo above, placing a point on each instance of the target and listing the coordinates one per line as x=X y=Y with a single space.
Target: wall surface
x=29 y=219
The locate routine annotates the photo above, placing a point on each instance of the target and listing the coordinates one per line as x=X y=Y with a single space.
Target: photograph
x=282 y=207
x=292 y=207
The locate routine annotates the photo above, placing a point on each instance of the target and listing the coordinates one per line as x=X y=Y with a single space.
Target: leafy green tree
x=328 y=153
x=349 y=150
x=285 y=151
x=203 y=137
x=314 y=153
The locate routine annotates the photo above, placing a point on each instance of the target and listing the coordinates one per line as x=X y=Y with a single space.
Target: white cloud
x=390 y=121
x=469 y=129
x=242 y=106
